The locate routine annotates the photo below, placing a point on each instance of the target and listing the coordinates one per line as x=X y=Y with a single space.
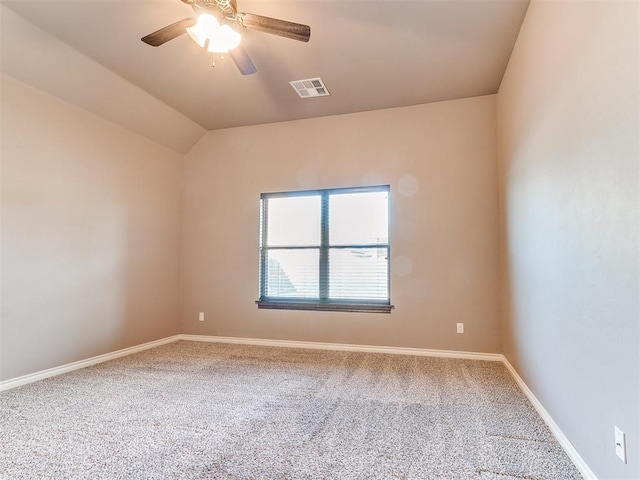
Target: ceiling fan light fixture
x=201 y=31
x=204 y=29
x=224 y=39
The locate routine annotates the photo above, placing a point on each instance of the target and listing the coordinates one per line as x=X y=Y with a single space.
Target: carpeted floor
x=191 y=410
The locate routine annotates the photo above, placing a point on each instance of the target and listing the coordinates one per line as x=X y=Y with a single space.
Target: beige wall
x=446 y=231
x=90 y=234
x=569 y=180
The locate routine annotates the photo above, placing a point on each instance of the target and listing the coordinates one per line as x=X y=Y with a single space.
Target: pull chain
x=213 y=63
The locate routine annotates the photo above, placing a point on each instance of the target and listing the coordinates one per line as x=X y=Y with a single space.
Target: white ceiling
x=372 y=54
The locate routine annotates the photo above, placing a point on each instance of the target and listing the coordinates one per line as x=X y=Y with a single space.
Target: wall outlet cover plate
x=621 y=447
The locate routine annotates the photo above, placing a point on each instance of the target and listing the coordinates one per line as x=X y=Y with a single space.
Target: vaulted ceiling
x=372 y=54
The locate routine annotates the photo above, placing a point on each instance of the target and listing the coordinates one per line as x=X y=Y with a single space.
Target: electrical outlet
x=621 y=445
x=201 y=317
x=460 y=328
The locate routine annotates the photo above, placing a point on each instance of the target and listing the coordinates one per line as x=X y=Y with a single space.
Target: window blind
x=325 y=249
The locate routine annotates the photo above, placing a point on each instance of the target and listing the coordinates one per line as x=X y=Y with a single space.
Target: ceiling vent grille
x=311 y=87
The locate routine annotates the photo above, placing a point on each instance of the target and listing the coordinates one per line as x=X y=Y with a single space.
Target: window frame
x=323 y=302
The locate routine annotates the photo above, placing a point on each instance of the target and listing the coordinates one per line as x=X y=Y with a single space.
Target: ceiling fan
x=227 y=11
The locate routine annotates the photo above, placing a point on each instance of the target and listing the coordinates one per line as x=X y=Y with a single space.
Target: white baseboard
x=69 y=367
x=51 y=372
x=346 y=347
x=564 y=442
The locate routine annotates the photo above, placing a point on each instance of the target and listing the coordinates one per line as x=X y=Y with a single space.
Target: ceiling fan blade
x=295 y=31
x=242 y=61
x=169 y=32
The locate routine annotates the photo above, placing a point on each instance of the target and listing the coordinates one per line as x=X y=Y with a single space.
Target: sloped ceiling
x=372 y=54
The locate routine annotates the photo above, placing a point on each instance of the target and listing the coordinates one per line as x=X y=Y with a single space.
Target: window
x=325 y=250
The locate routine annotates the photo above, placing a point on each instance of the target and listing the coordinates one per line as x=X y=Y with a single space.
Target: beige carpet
x=191 y=410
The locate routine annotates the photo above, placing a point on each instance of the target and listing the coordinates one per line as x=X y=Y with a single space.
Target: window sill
x=326 y=307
